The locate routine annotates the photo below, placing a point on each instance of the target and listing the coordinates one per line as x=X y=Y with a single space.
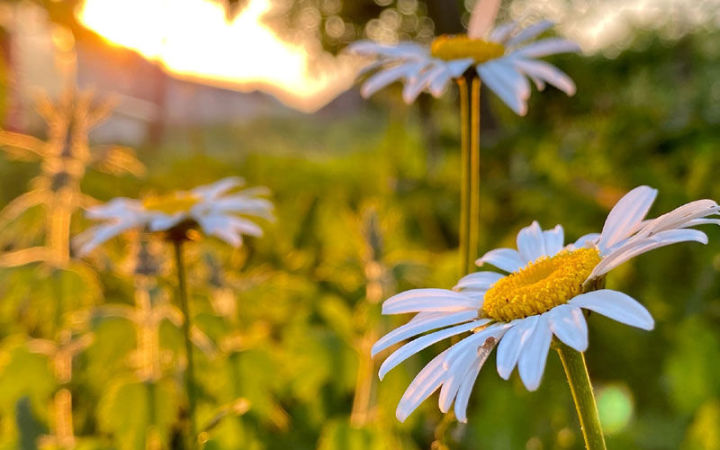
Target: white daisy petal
x=502 y=32
x=531 y=243
x=533 y=356
x=530 y=32
x=423 y=342
x=258 y=207
x=115 y=209
x=539 y=84
x=568 y=324
x=588 y=239
x=482 y=18
x=493 y=80
x=422 y=386
x=458 y=67
x=227 y=235
x=506 y=259
x=478 y=281
x=364 y=47
x=463 y=395
x=162 y=222
x=371 y=48
x=502 y=78
x=228 y=228
x=414 y=87
x=541 y=70
x=439 y=83
x=93 y=237
x=696 y=222
x=388 y=76
x=420 y=324
x=213 y=190
x=634 y=247
x=512 y=344
x=517 y=82
x=679 y=217
x=455 y=377
x=617 y=306
x=546 y=47
x=417 y=300
x=476 y=340
x=625 y=215
x=554 y=240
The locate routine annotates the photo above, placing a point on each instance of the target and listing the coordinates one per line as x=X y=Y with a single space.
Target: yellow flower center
x=449 y=48
x=541 y=285
x=174 y=203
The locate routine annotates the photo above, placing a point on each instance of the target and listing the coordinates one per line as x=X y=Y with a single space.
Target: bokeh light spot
x=615 y=405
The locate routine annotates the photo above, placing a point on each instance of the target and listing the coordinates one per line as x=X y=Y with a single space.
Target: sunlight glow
x=193 y=39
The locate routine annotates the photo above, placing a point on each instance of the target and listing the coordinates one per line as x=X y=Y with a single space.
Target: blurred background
x=179 y=93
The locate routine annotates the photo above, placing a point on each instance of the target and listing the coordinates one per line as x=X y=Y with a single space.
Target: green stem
x=469 y=87
x=577 y=375
x=474 y=215
x=465 y=173
x=190 y=371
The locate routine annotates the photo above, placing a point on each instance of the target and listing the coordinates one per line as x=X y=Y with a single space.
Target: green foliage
x=138 y=413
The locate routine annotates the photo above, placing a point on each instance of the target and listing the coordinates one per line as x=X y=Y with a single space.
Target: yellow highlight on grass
x=541 y=286
x=449 y=47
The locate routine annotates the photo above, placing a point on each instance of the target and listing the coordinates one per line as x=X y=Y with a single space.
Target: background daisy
x=217 y=210
x=501 y=57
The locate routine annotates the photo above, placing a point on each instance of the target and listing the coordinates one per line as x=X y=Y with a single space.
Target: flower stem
x=577 y=375
x=469 y=87
x=474 y=216
x=190 y=372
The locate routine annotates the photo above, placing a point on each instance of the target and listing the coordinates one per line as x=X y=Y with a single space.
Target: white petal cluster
x=524 y=343
x=507 y=76
x=220 y=210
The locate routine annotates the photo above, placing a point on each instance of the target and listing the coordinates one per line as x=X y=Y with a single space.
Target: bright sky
x=193 y=39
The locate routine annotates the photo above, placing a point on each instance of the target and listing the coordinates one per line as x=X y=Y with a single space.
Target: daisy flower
x=546 y=287
x=217 y=210
x=501 y=57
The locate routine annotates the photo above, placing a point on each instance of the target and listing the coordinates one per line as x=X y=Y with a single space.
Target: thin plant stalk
x=59 y=233
x=469 y=87
x=465 y=174
x=364 y=397
x=63 y=361
x=474 y=215
x=184 y=307
x=59 y=243
x=582 y=392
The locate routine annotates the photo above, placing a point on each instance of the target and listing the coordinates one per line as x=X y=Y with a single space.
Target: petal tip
x=401 y=415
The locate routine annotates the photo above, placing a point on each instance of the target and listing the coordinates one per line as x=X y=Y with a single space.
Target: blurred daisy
x=501 y=57
x=217 y=210
x=547 y=288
